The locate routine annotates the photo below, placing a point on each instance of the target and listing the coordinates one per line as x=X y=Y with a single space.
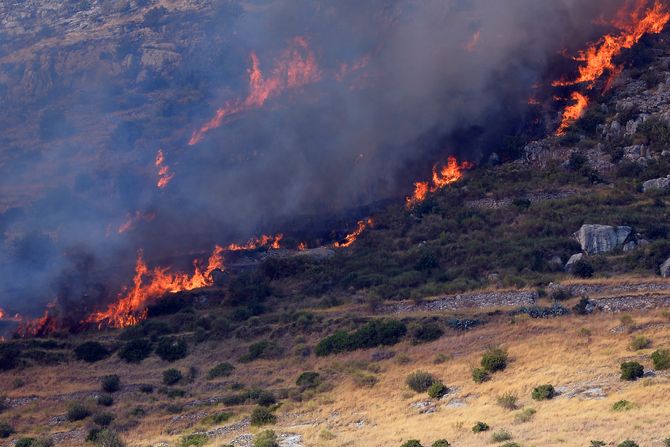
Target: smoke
x=404 y=84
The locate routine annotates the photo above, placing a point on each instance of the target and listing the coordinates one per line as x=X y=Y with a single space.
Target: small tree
x=437 y=390
x=631 y=371
x=420 y=381
x=544 y=392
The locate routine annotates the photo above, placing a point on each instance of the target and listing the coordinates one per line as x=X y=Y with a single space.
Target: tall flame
x=573 y=112
x=148 y=285
x=352 y=237
x=296 y=67
x=450 y=173
x=164 y=173
x=38 y=327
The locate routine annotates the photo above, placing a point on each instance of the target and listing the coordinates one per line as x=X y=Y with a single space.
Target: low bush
x=171 y=376
x=372 y=334
x=105 y=400
x=508 y=401
x=501 y=436
x=308 y=379
x=77 y=412
x=639 y=342
x=109 y=438
x=263 y=349
x=412 y=443
x=661 y=359
x=194 y=440
x=6 y=430
x=494 y=359
x=420 y=381
x=480 y=427
x=437 y=390
x=218 y=418
x=146 y=388
x=425 y=332
x=262 y=416
x=631 y=371
x=628 y=443
x=479 y=375
x=171 y=349
x=510 y=444
x=525 y=415
x=103 y=419
x=91 y=351
x=111 y=383
x=622 y=405
x=583 y=269
x=544 y=392
x=34 y=442
x=266 y=438
x=224 y=369
x=364 y=380
x=441 y=443
x=135 y=351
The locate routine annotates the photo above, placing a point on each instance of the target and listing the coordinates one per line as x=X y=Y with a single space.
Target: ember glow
x=296 y=68
x=164 y=173
x=151 y=284
x=450 y=173
x=265 y=241
x=38 y=327
x=353 y=236
x=573 y=112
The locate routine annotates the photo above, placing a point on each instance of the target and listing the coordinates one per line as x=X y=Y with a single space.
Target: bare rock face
x=572 y=261
x=665 y=269
x=599 y=239
x=662 y=183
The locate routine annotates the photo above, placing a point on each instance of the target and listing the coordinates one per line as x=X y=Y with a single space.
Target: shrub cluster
x=171 y=349
x=91 y=351
x=224 y=369
x=372 y=334
x=420 y=381
x=424 y=332
x=263 y=349
x=308 y=379
x=494 y=360
x=111 y=383
x=77 y=412
x=661 y=359
x=262 y=416
x=631 y=371
x=544 y=392
x=171 y=376
x=135 y=351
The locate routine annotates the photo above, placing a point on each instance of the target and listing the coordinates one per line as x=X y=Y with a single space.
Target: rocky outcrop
x=599 y=239
x=571 y=262
x=662 y=184
x=515 y=298
x=665 y=269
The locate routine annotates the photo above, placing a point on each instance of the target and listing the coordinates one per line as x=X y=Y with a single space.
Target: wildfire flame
x=38 y=327
x=302 y=246
x=133 y=219
x=272 y=242
x=296 y=67
x=149 y=285
x=573 y=112
x=450 y=173
x=164 y=173
x=4 y=316
x=352 y=237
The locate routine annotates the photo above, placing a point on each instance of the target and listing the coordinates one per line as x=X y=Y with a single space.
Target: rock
x=665 y=269
x=662 y=183
x=599 y=239
x=571 y=262
x=556 y=261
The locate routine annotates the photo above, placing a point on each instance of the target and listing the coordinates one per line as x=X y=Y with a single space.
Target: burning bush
x=171 y=349
x=91 y=351
x=135 y=351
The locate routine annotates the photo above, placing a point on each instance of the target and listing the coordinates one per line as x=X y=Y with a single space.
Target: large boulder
x=662 y=183
x=571 y=262
x=599 y=239
x=665 y=268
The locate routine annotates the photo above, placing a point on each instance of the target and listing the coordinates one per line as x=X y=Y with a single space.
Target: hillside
x=524 y=302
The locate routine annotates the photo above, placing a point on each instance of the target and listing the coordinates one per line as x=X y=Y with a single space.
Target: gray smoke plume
x=91 y=90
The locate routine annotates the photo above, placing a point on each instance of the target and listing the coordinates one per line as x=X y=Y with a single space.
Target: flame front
x=38 y=327
x=148 y=285
x=352 y=237
x=273 y=242
x=297 y=67
x=573 y=112
x=164 y=173
x=450 y=173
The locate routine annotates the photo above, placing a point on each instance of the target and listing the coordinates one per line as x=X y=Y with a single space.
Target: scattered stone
x=662 y=183
x=599 y=239
x=514 y=298
x=424 y=407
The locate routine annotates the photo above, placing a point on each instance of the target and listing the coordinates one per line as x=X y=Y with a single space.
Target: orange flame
x=134 y=219
x=4 y=316
x=38 y=327
x=450 y=173
x=474 y=41
x=573 y=112
x=302 y=246
x=352 y=237
x=273 y=242
x=296 y=67
x=148 y=285
x=599 y=58
x=164 y=173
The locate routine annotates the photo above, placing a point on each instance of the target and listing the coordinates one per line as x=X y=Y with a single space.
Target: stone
x=571 y=262
x=662 y=183
x=599 y=239
x=665 y=269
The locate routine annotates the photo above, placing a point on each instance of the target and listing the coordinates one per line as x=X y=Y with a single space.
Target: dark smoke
x=82 y=122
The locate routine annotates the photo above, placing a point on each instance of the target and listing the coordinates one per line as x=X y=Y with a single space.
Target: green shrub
x=508 y=401
x=77 y=412
x=146 y=388
x=219 y=418
x=623 y=405
x=224 y=369
x=639 y=342
x=501 y=436
x=308 y=379
x=135 y=351
x=666 y=442
x=661 y=359
x=263 y=349
x=372 y=334
x=583 y=269
x=171 y=349
x=103 y=419
x=631 y=371
x=171 y=376
x=92 y=435
x=494 y=359
x=104 y=400
x=510 y=444
x=524 y=415
x=194 y=440
x=91 y=351
x=420 y=381
x=479 y=375
x=424 y=332
x=266 y=438
x=6 y=430
x=25 y=442
x=364 y=380
x=111 y=383
x=262 y=416
x=544 y=392
x=411 y=443
x=441 y=443
x=628 y=443
x=598 y=443
x=480 y=427
x=437 y=390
